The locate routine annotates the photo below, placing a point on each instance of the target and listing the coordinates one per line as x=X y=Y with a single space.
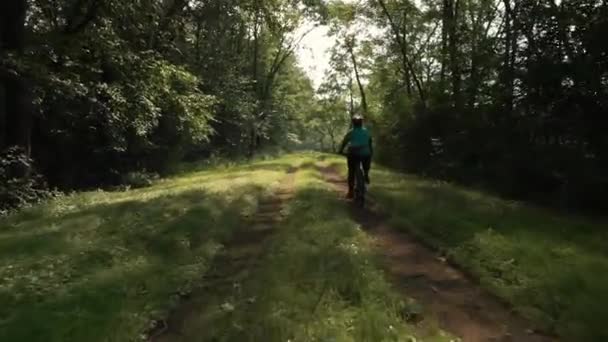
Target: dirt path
x=459 y=305
x=234 y=264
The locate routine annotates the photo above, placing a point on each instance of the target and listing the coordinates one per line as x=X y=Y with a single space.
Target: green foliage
x=119 y=87
x=19 y=185
x=496 y=93
x=139 y=179
x=318 y=279
x=551 y=267
x=100 y=266
x=327 y=124
x=343 y=12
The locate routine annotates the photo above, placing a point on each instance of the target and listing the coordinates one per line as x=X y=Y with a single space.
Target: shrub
x=139 y=179
x=20 y=184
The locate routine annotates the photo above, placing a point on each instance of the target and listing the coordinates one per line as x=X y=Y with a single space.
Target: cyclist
x=360 y=151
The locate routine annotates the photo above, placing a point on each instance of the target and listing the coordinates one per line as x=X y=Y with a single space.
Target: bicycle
x=360 y=186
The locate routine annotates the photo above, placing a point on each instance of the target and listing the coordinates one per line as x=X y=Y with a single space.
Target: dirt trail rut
x=459 y=305
x=234 y=264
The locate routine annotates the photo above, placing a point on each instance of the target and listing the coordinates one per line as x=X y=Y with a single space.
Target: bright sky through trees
x=313 y=53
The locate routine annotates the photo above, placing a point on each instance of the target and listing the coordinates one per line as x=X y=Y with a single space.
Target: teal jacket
x=359 y=142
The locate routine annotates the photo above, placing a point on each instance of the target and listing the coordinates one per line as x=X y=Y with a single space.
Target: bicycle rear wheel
x=359 y=187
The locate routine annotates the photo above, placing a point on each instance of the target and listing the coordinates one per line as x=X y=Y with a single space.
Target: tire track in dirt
x=455 y=301
x=229 y=268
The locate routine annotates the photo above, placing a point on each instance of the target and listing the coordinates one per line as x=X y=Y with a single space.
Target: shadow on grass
x=552 y=268
x=101 y=273
x=455 y=216
x=318 y=280
x=32 y=245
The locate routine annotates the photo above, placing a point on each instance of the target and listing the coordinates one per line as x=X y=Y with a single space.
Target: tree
x=490 y=91
x=401 y=41
x=354 y=48
x=15 y=109
x=92 y=90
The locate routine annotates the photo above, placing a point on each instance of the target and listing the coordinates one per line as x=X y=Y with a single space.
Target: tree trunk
x=2 y=115
x=197 y=46
x=351 y=50
x=351 y=97
x=509 y=58
x=169 y=9
x=407 y=65
x=445 y=22
x=475 y=78
x=452 y=11
x=332 y=136
x=16 y=106
x=408 y=76
x=255 y=78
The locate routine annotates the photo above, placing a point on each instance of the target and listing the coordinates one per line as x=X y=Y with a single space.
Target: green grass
x=100 y=266
x=552 y=268
x=318 y=280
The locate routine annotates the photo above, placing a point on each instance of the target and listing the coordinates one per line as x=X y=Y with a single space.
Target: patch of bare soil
x=448 y=295
x=234 y=264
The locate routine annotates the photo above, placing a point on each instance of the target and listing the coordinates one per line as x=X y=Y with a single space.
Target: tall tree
x=15 y=99
x=400 y=41
x=121 y=86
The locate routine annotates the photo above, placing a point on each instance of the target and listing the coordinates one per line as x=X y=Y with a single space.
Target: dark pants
x=353 y=164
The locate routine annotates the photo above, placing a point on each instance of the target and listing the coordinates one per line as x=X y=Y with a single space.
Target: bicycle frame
x=359 y=190
x=359 y=186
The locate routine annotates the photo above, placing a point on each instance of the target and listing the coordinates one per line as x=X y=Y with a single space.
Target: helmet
x=357 y=118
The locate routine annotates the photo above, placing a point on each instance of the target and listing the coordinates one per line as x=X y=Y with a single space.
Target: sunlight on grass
x=318 y=280
x=98 y=266
x=552 y=268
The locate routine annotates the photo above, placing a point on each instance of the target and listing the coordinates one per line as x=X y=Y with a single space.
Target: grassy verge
x=99 y=266
x=552 y=268
x=318 y=280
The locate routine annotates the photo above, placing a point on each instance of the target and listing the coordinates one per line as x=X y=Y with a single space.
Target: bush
x=139 y=179
x=20 y=184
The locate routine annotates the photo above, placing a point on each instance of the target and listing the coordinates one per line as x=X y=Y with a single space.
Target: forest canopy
x=510 y=95
x=91 y=90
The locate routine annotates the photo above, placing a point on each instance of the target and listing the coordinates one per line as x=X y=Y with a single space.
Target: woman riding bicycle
x=360 y=151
